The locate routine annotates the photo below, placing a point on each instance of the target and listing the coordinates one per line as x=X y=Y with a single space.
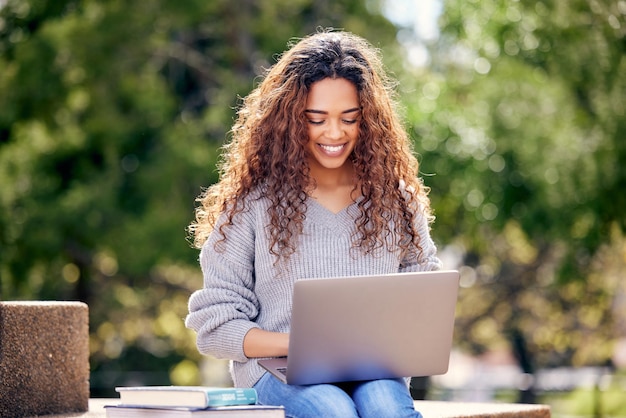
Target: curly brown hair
x=266 y=150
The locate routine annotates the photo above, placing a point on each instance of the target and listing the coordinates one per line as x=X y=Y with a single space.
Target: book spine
x=232 y=396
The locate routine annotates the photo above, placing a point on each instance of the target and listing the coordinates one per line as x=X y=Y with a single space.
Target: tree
x=111 y=119
x=521 y=124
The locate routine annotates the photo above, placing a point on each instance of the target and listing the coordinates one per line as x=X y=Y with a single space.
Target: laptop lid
x=371 y=327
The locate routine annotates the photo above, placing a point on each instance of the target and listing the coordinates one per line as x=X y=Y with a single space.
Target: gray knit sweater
x=243 y=288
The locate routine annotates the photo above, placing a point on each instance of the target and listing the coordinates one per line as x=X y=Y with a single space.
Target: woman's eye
x=321 y=122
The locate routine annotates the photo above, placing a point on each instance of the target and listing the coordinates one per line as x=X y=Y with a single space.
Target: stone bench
x=430 y=409
x=441 y=409
x=44 y=368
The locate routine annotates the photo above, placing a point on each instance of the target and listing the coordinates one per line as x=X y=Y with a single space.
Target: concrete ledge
x=438 y=409
x=44 y=358
x=430 y=409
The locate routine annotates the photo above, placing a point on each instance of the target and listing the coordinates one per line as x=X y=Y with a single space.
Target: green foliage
x=111 y=118
x=521 y=124
x=112 y=115
x=598 y=401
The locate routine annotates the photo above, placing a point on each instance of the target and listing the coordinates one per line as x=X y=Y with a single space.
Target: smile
x=332 y=149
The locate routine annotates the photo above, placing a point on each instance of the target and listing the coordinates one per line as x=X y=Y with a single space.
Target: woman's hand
x=261 y=343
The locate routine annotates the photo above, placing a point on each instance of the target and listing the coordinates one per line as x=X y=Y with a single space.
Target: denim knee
x=305 y=401
x=384 y=398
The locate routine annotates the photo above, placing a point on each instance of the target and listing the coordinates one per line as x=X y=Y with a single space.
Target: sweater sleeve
x=225 y=309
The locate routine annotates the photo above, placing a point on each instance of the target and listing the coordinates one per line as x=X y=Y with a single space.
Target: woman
x=318 y=180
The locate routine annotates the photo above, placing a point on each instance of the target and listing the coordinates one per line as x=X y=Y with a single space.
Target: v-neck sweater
x=244 y=288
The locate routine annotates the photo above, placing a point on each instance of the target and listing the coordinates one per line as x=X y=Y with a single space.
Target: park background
x=112 y=115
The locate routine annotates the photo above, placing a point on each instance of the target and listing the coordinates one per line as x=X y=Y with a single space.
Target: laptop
x=369 y=327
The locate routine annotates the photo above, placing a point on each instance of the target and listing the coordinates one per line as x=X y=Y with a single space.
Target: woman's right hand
x=260 y=343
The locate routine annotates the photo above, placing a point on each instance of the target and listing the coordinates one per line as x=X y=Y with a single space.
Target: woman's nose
x=334 y=130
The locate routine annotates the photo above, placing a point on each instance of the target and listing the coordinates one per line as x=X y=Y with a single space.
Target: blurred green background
x=112 y=114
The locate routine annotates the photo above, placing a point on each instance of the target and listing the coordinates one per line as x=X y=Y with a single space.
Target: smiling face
x=333 y=112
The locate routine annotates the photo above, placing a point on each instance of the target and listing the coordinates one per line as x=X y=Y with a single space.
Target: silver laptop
x=369 y=327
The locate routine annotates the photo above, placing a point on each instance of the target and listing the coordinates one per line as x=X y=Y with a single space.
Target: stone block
x=44 y=358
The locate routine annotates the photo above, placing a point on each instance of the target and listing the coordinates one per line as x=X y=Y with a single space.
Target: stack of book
x=190 y=401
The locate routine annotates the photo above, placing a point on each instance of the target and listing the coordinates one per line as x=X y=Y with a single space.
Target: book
x=185 y=396
x=240 y=411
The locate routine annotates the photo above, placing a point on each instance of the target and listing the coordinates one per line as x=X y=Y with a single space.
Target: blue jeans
x=376 y=398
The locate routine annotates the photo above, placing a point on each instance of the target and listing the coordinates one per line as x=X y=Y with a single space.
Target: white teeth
x=329 y=148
